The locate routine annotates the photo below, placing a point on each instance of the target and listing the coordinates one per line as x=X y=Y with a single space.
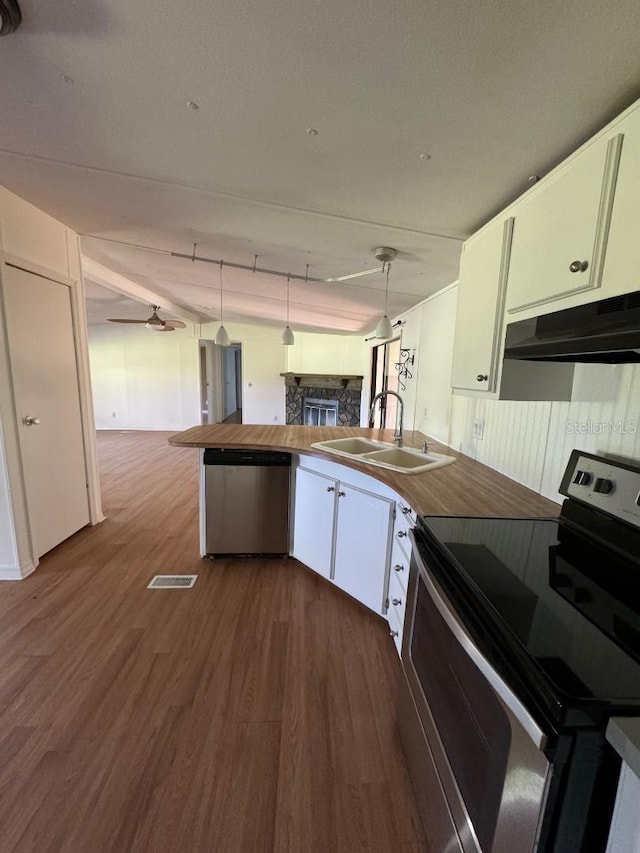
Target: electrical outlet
x=425 y=412
x=275 y=419
x=478 y=429
x=113 y=414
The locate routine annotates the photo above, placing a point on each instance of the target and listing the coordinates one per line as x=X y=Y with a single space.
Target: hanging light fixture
x=384 y=329
x=222 y=338
x=287 y=338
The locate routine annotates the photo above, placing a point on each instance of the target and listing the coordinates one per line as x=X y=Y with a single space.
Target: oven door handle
x=457 y=628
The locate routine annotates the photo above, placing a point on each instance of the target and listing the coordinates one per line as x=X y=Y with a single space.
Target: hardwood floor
x=251 y=714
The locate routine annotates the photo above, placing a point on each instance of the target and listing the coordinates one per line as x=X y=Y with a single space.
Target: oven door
x=481 y=748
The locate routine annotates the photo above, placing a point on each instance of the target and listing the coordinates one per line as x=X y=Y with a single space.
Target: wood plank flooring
x=251 y=714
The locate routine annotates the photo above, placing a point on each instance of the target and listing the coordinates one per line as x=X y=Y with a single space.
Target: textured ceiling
x=96 y=129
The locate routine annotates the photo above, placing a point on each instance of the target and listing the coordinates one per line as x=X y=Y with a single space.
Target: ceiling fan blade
x=118 y=320
x=177 y=324
x=165 y=328
x=354 y=275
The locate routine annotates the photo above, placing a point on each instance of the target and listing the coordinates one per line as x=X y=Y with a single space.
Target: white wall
x=531 y=442
x=528 y=441
x=263 y=360
x=336 y=354
x=150 y=380
x=340 y=355
x=144 y=379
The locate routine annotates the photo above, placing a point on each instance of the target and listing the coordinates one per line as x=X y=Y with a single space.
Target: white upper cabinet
x=561 y=229
x=483 y=271
x=622 y=261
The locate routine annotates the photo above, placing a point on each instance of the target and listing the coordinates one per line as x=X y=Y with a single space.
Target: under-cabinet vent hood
x=607 y=332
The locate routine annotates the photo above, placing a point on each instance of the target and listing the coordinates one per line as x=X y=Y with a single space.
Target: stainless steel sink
x=405 y=460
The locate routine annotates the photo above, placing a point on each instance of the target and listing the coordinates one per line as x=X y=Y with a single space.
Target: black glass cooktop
x=570 y=604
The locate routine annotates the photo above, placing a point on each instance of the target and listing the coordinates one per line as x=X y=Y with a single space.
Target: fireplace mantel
x=323 y=380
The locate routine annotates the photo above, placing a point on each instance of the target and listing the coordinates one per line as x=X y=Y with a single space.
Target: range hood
x=605 y=332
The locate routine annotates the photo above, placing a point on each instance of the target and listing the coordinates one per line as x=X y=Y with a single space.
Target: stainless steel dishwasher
x=246 y=501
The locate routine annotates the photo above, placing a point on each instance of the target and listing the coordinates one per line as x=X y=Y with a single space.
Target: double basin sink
x=406 y=460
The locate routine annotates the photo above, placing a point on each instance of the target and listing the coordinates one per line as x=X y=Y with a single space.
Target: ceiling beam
x=121 y=284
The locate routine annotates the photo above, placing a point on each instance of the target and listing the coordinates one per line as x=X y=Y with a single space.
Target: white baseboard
x=17 y=573
x=142 y=428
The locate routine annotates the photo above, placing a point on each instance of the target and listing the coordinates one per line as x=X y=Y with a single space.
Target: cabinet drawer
x=405 y=514
x=399 y=564
x=401 y=540
x=397 y=597
x=395 y=628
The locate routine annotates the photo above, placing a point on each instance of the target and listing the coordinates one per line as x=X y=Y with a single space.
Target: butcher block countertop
x=463 y=488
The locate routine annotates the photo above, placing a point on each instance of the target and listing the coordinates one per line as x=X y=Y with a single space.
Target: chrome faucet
x=397 y=436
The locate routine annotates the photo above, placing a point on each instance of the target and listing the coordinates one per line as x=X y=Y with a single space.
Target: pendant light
x=287 y=338
x=222 y=338
x=384 y=329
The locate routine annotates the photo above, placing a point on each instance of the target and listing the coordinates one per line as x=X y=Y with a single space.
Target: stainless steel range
x=521 y=639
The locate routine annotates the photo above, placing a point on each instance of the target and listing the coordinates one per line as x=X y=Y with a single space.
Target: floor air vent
x=172 y=582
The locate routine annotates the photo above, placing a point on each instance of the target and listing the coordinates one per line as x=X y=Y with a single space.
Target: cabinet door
x=313 y=520
x=363 y=534
x=483 y=273
x=560 y=234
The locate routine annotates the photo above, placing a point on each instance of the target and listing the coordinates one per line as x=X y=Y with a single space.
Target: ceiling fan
x=154 y=322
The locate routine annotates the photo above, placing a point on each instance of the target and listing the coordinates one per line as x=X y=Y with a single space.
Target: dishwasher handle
x=239 y=456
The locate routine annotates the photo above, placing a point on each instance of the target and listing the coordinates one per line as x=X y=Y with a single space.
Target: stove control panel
x=605 y=484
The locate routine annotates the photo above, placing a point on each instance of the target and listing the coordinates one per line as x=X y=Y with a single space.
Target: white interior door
x=45 y=377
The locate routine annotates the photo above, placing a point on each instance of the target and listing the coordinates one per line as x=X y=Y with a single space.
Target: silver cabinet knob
x=341 y=494
x=396 y=601
x=405 y=510
x=331 y=488
x=393 y=633
x=579 y=266
x=402 y=533
x=398 y=568
x=482 y=377
x=29 y=420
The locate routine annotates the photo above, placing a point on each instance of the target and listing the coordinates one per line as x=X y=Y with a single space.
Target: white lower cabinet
x=363 y=531
x=314 y=514
x=343 y=531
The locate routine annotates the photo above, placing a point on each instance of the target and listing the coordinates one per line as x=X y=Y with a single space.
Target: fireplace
x=316 y=412
x=317 y=399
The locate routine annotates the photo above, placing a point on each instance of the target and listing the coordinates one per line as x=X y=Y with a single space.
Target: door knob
x=578 y=266
x=29 y=420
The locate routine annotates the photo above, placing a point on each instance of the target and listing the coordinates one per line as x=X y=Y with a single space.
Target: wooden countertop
x=464 y=488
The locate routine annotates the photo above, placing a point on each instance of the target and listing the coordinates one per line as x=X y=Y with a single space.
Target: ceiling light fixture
x=287 y=338
x=386 y=255
x=222 y=338
x=311 y=131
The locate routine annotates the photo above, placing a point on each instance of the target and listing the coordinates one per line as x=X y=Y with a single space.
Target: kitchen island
x=465 y=488
x=350 y=521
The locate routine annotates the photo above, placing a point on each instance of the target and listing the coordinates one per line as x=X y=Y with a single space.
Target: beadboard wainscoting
x=528 y=441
